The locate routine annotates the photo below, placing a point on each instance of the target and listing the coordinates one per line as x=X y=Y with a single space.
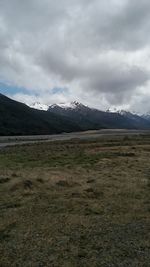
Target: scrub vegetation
x=76 y=203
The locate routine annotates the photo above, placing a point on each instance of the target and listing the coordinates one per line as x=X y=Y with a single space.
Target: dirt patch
x=4 y=180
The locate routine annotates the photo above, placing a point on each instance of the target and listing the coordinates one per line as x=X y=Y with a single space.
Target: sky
x=95 y=52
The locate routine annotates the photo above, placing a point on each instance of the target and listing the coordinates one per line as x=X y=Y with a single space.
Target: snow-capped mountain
x=74 y=105
x=39 y=106
x=91 y=118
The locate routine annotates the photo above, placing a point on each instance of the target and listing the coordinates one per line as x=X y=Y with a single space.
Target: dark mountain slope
x=18 y=119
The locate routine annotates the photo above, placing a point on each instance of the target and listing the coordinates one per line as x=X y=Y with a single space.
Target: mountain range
x=19 y=119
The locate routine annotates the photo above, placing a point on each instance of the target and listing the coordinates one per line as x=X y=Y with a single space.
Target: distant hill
x=19 y=119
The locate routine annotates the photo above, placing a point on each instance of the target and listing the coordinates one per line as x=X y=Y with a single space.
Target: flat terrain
x=81 y=202
x=30 y=139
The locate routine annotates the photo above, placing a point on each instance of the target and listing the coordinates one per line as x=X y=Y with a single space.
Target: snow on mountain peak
x=112 y=110
x=70 y=105
x=119 y=111
x=38 y=105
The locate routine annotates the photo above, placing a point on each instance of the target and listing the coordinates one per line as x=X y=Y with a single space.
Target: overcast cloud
x=96 y=52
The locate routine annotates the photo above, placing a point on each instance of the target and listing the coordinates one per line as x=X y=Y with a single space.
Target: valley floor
x=76 y=203
x=6 y=141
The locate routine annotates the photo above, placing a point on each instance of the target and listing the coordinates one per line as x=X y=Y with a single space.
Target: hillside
x=19 y=119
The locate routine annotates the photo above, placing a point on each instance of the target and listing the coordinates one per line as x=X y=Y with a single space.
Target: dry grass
x=76 y=203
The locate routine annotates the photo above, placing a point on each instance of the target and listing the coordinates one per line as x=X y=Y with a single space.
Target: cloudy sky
x=96 y=52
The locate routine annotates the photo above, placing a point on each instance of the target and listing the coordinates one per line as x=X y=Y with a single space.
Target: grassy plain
x=76 y=203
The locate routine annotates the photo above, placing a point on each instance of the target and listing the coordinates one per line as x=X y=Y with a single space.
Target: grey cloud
x=117 y=79
x=114 y=26
x=68 y=43
x=140 y=103
x=99 y=76
x=130 y=28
